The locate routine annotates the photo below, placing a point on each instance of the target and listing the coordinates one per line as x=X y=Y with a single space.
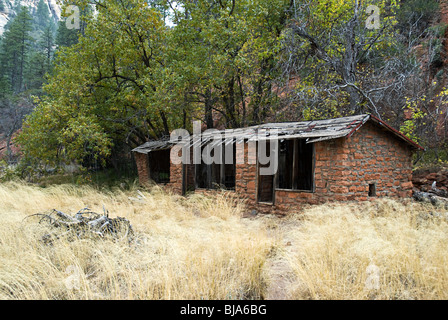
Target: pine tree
x=35 y=72
x=15 y=48
x=46 y=45
x=4 y=87
x=42 y=15
x=66 y=37
x=4 y=82
x=40 y=62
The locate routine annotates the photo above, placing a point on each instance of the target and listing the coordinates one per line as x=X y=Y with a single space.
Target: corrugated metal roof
x=313 y=131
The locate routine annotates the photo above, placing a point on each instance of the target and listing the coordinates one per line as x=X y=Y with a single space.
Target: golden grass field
x=201 y=247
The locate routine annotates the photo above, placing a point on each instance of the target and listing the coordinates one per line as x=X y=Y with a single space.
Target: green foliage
x=129 y=76
x=223 y=52
x=101 y=86
x=125 y=76
x=40 y=62
x=7 y=173
x=5 y=86
x=331 y=110
x=66 y=37
x=42 y=15
x=409 y=127
x=434 y=44
x=338 y=59
x=15 y=49
x=26 y=52
x=432 y=159
x=419 y=12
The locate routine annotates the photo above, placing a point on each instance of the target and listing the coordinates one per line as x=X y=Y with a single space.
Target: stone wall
x=175 y=184
x=344 y=168
x=141 y=160
x=246 y=175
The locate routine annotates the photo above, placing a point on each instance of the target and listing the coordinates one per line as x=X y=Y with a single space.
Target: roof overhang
x=156 y=145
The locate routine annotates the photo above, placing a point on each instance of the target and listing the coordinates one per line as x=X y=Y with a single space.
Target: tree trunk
x=208 y=104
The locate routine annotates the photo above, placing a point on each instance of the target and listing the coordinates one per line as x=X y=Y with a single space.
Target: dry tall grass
x=378 y=250
x=187 y=248
x=199 y=247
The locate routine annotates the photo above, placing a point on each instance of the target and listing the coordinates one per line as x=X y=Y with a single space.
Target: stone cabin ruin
x=349 y=158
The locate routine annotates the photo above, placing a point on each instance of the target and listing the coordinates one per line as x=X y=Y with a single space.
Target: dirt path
x=281 y=279
x=278 y=270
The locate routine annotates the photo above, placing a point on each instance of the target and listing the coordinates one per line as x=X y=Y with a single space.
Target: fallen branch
x=84 y=224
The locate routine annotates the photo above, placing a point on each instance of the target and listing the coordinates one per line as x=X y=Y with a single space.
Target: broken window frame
x=159 y=160
x=295 y=171
x=216 y=171
x=266 y=184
